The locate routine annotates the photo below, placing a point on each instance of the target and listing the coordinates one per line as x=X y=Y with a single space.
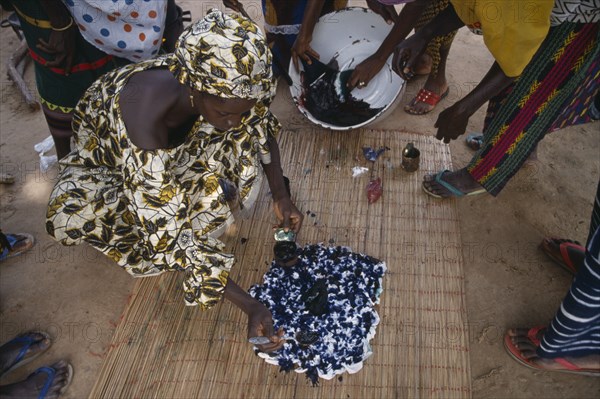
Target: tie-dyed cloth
x=325 y=303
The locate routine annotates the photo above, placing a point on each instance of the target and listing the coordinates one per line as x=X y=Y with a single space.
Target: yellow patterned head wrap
x=224 y=55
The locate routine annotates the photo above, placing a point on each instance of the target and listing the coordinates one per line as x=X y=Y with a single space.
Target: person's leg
x=529 y=110
x=436 y=86
x=59 y=124
x=572 y=340
x=21 y=349
x=460 y=181
x=14 y=244
x=535 y=102
x=46 y=382
x=570 y=254
x=436 y=83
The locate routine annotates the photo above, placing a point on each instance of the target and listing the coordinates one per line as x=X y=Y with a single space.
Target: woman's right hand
x=407 y=54
x=365 y=71
x=302 y=49
x=260 y=324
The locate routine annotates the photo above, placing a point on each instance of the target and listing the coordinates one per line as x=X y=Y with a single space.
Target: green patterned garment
x=154 y=210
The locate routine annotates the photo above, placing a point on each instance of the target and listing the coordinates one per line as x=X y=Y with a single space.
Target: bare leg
x=436 y=83
x=59 y=124
x=10 y=350
x=33 y=385
x=527 y=349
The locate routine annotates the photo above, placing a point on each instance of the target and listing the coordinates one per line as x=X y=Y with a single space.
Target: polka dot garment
x=325 y=304
x=123 y=28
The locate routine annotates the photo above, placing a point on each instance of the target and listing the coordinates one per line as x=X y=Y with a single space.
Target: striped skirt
x=575 y=330
x=556 y=90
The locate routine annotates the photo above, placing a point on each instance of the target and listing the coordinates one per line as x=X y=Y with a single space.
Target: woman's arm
x=452 y=122
x=286 y=212
x=260 y=321
x=301 y=47
x=407 y=54
x=62 y=40
x=366 y=70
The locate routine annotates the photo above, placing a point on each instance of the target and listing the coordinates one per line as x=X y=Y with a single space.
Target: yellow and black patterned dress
x=154 y=210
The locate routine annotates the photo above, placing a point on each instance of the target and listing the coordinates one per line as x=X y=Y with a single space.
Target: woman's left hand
x=288 y=216
x=260 y=324
x=452 y=123
x=365 y=71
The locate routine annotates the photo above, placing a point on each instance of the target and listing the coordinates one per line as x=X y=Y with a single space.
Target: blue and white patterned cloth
x=348 y=321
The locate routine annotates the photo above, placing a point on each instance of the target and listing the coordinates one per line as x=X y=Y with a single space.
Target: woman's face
x=224 y=113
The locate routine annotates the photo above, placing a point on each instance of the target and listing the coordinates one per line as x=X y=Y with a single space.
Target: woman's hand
x=302 y=49
x=407 y=54
x=260 y=324
x=387 y=12
x=61 y=44
x=288 y=216
x=452 y=123
x=365 y=71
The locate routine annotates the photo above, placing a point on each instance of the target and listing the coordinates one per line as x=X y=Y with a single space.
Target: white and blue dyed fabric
x=348 y=322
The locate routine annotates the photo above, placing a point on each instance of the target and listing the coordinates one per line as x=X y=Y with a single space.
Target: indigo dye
x=326 y=96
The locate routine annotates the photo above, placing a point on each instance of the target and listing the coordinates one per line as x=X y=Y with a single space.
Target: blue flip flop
x=27 y=340
x=13 y=239
x=474 y=141
x=51 y=373
x=453 y=190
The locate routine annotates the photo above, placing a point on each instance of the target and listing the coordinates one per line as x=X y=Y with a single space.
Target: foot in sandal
x=47 y=382
x=522 y=343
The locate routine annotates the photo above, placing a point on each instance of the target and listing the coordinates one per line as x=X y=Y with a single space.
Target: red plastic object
x=374 y=190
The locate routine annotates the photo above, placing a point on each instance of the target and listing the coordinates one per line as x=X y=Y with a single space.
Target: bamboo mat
x=162 y=349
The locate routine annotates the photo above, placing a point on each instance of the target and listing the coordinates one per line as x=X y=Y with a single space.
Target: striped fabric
x=531 y=107
x=595 y=223
x=575 y=330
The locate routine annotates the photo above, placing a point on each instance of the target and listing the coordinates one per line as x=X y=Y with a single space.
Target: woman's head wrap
x=226 y=56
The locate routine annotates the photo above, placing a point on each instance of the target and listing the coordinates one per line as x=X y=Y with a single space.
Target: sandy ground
x=77 y=295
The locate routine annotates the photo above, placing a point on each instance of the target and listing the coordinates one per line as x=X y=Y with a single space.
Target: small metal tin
x=259 y=340
x=410 y=158
x=282 y=235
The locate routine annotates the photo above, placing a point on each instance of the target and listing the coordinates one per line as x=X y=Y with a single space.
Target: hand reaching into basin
x=365 y=71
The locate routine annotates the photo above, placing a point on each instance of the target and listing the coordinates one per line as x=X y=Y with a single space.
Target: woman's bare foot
x=435 y=88
x=33 y=343
x=428 y=97
x=523 y=348
x=46 y=382
x=461 y=181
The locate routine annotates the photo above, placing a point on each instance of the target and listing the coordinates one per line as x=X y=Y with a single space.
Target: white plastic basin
x=351 y=35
